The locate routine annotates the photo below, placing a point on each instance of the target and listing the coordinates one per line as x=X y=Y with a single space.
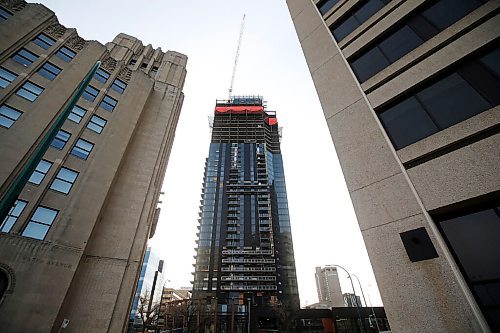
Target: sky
x=271 y=63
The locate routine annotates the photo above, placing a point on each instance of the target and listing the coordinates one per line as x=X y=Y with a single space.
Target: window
x=4 y=14
x=326 y=5
x=60 y=140
x=133 y=62
x=82 y=149
x=154 y=70
x=64 y=180
x=41 y=170
x=119 y=86
x=359 y=14
x=76 y=114
x=101 y=75
x=96 y=124
x=13 y=215
x=144 y=65
x=40 y=222
x=472 y=237
x=108 y=103
x=6 y=77
x=44 y=41
x=66 y=54
x=409 y=34
x=49 y=71
x=8 y=115
x=90 y=93
x=29 y=91
x=469 y=90
x=25 y=57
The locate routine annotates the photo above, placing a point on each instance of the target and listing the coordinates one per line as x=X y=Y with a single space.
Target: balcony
x=248 y=261
x=245 y=287
x=248 y=269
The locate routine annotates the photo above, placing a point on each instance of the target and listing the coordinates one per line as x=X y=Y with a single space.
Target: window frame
x=77 y=150
x=49 y=74
x=6 y=79
x=74 y=114
x=119 y=86
x=87 y=92
x=91 y=121
x=64 y=55
x=46 y=224
x=100 y=77
x=3 y=115
x=39 y=171
x=24 y=57
x=58 y=177
x=23 y=88
x=5 y=14
x=60 y=140
x=10 y=215
x=107 y=103
x=41 y=42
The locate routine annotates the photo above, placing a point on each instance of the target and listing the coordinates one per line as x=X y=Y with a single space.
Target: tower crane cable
x=242 y=28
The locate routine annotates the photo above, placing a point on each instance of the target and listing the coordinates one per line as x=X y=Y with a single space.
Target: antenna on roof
x=242 y=28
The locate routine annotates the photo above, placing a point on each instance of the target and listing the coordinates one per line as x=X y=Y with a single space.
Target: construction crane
x=237 y=55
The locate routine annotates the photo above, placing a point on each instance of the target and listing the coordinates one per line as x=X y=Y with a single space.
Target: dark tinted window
x=492 y=62
x=326 y=5
x=407 y=122
x=410 y=33
x=452 y=100
x=473 y=239
x=369 y=64
x=357 y=16
x=442 y=103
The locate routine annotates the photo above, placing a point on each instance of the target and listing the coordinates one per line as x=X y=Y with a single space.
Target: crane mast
x=242 y=28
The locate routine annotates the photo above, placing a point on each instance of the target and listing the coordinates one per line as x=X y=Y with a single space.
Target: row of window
x=469 y=89
x=4 y=14
x=359 y=14
x=63 y=181
x=154 y=69
x=102 y=76
x=37 y=226
x=413 y=31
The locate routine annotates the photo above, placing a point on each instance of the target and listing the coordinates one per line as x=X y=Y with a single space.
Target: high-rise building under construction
x=245 y=267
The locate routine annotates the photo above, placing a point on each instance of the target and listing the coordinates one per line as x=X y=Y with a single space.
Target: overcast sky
x=271 y=63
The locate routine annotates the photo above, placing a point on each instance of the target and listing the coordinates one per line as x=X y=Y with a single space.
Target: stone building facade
x=410 y=93
x=72 y=246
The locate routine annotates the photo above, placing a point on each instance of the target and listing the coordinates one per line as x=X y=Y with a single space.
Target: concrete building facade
x=328 y=286
x=410 y=93
x=73 y=244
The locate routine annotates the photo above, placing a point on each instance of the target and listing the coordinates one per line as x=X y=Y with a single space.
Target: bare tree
x=147 y=313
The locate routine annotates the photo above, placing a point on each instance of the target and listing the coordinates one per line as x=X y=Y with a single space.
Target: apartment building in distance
x=410 y=92
x=244 y=279
x=72 y=245
x=328 y=286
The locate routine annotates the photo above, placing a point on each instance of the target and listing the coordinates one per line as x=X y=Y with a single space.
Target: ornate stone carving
x=55 y=29
x=108 y=63
x=125 y=74
x=76 y=43
x=13 y=5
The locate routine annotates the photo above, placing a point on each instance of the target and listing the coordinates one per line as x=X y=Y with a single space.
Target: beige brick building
x=73 y=243
x=411 y=91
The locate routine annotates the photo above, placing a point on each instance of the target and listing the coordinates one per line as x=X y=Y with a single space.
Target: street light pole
x=362 y=328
